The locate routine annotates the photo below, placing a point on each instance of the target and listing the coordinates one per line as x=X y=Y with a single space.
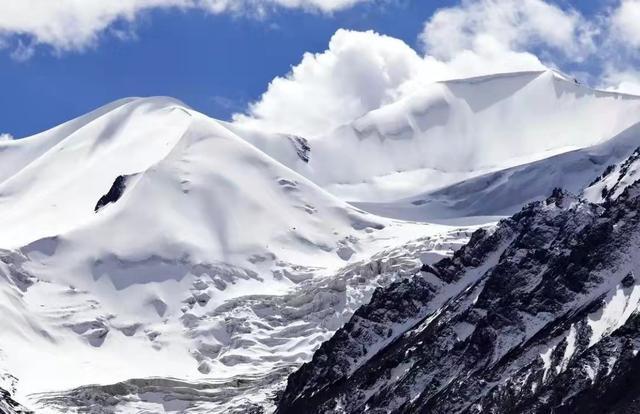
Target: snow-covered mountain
x=504 y=191
x=169 y=262
x=150 y=230
x=538 y=315
x=456 y=130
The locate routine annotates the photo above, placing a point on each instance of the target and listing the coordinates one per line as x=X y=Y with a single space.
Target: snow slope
x=150 y=231
x=455 y=130
x=175 y=161
x=503 y=192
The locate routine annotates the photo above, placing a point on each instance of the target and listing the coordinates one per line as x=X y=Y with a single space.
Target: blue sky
x=216 y=63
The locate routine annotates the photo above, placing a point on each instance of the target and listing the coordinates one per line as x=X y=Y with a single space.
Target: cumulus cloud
x=621 y=80
x=604 y=47
x=68 y=25
x=5 y=137
x=517 y=25
x=358 y=72
x=620 y=49
x=625 y=23
x=326 y=6
x=362 y=71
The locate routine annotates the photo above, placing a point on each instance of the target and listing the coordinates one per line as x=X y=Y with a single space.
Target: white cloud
x=22 y=51
x=625 y=23
x=515 y=25
x=621 y=80
x=357 y=73
x=70 y=24
x=326 y=6
x=620 y=49
x=77 y=24
x=5 y=137
x=361 y=71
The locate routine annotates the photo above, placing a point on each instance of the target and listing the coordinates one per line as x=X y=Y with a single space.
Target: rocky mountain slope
x=540 y=314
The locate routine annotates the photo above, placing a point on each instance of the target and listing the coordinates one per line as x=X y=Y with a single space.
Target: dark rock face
x=616 y=178
x=114 y=193
x=537 y=316
x=303 y=149
x=9 y=406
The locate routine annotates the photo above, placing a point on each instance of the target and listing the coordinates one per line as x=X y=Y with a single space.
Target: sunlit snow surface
x=216 y=262
x=455 y=130
x=231 y=254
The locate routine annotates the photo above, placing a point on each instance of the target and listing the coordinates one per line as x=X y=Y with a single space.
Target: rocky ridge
x=539 y=315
